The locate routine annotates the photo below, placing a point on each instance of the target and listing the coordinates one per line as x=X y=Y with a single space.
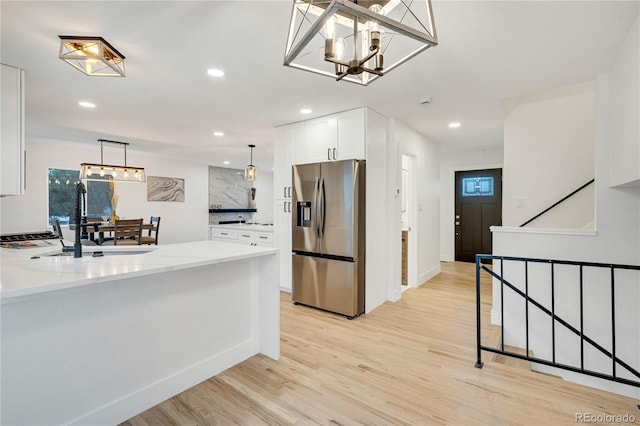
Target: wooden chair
x=152 y=238
x=92 y=229
x=125 y=232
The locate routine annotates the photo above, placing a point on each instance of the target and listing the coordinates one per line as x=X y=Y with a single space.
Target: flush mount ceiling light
x=92 y=55
x=107 y=172
x=213 y=72
x=250 y=171
x=357 y=37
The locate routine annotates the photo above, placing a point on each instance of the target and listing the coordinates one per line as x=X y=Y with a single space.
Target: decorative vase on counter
x=252 y=198
x=114 y=217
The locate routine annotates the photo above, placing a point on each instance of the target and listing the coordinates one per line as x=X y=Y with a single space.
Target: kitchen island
x=96 y=340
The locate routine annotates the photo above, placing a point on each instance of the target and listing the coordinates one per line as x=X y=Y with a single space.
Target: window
x=477 y=186
x=62 y=196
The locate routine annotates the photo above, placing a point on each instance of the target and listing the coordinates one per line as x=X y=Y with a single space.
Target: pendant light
x=108 y=172
x=250 y=171
x=355 y=40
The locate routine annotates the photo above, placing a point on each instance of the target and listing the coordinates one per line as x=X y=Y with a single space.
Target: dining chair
x=152 y=238
x=92 y=228
x=125 y=232
x=57 y=231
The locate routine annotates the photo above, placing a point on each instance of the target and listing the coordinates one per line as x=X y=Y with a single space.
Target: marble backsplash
x=228 y=190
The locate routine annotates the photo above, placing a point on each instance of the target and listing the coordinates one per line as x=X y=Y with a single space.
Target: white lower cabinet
x=282 y=223
x=241 y=236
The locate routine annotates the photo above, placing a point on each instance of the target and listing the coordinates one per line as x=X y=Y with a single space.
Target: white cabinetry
x=288 y=150
x=12 y=147
x=241 y=236
x=336 y=137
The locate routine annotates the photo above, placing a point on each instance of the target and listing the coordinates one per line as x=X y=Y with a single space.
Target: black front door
x=478 y=206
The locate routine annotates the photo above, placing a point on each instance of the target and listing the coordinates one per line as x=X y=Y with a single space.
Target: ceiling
x=488 y=51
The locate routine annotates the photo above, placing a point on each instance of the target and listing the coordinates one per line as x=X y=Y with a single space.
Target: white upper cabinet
x=12 y=146
x=322 y=140
x=351 y=135
x=335 y=137
x=282 y=160
x=298 y=144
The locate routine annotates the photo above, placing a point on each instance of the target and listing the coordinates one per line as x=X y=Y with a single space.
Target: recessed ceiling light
x=213 y=72
x=218 y=133
x=305 y=111
x=454 y=124
x=226 y=162
x=86 y=104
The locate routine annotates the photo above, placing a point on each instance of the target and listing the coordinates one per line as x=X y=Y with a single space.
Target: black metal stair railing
x=555 y=319
x=565 y=198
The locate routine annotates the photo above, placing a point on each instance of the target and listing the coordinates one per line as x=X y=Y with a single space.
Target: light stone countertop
x=21 y=276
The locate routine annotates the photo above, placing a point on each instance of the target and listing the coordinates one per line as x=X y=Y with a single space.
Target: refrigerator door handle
x=316 y=210
x=322 y=207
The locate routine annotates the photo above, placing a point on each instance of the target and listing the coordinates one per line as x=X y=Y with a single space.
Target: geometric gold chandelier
x=357 y=40
x=91 y=55
x=108 y=172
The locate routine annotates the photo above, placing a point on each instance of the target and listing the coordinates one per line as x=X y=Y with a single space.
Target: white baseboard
x=285 y=289
x=426 y=276
x=136 y=402
x=446 y=258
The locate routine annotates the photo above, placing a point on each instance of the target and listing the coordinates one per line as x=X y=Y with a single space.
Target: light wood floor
x=409 y=362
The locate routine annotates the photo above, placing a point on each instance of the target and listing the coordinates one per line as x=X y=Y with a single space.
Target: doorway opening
x=478 y=206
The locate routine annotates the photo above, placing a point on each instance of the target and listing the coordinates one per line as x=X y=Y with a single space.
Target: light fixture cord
x=355 y=38
x=251 y=162
x=101 y=153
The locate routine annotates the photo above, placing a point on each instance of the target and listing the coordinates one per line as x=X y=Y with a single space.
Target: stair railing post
x=479 y=363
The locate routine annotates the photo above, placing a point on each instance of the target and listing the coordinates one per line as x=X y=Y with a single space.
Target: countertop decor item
x=252 y=198
x=107 y=172
x=114 y=202
x=357 y=38
x=91 y=55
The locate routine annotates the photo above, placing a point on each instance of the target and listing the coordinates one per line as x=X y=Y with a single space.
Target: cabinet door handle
x=223 y=233
x=289 y=207
x=334 y=153
x=246 y=236
x=289 y=192
x=284 y=207
x=328 y=153
x=284 y=191
x=264 y=238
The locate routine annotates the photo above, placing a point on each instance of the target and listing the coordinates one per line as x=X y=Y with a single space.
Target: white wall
x=624 y=157
x=616 y=239
x=378 y=265
x=426 y=232
x=181 y=221
x=450 y=162
x=548 y=150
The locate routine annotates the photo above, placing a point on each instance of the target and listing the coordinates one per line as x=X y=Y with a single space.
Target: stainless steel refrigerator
x=328 y=238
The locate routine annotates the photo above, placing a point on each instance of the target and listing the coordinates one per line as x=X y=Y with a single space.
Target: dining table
x=101 y=228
